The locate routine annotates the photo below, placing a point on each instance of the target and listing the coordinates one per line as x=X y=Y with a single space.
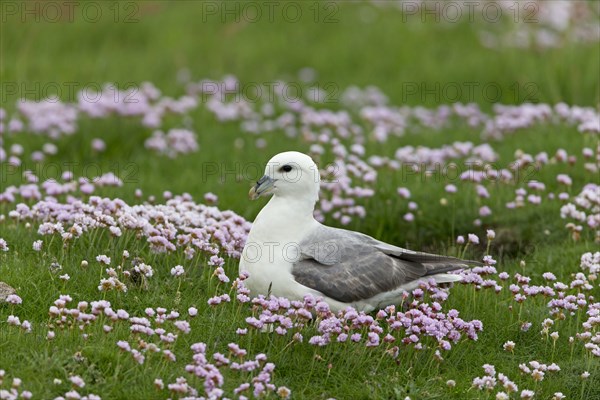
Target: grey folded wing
x=349 y=266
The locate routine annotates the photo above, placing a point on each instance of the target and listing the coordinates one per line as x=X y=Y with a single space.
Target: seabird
x=290 y=254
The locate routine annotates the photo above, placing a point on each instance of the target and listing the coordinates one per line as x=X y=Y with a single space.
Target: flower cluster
x=178 y=224
x=409 y=328
x=210 y=370
x=491 y=380
x=537 y=371
x=173 y=143
x=585 y=209
x=146 y=103
x=348 y=173
x=15 y=391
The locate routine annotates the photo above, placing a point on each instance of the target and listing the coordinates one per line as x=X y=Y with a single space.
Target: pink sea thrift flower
x=473 y=238
x=103 y=259
x=485 y=211
x=76 y=380
x=404 y=192
x=98 y=145
x=450 y=188
x=177 y=271
x=564 y=179
x=509 y=345
x=13 y=299
x=527 y=394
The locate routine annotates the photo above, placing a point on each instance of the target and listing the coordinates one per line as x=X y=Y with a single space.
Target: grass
x=37 y=57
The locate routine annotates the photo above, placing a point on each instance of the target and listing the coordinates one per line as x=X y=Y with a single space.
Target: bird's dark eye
x=286 y=168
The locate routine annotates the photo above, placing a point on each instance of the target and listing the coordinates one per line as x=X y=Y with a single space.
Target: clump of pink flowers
x=16 y=390
x=210 y=369
x=178 y=224
x=584 y=210
x=173 y=143
x=423 y=325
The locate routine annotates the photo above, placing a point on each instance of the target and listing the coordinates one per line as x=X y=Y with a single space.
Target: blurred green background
x=348 y=43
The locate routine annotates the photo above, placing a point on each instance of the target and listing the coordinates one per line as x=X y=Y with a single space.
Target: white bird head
x=289 y=174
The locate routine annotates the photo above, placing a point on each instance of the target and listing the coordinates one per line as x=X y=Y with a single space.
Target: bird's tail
x=437 y=264
x=442 y=279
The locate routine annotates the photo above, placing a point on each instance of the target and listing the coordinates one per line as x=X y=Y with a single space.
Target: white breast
x=272 y=248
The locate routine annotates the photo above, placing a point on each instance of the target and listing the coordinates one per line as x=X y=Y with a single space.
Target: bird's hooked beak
x=263 y=186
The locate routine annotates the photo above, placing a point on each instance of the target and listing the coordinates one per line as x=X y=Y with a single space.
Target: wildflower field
x=130 y=133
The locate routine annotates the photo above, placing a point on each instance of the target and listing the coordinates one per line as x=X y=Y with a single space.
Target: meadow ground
x=402 y=113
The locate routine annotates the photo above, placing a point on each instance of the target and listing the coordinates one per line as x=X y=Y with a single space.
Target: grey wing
x=349 y=266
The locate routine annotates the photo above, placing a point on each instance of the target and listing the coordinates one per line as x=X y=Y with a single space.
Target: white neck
x=283 y=213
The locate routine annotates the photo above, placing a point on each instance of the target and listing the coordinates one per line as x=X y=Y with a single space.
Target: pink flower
x=236 y=350
x=503 y=276
x=485 y=211
x=564 y=179
x=482 y=192
x=169 y=355
x=527 y=394
x=26 y=326
x=404 y=192
x=177 y=271
x=103 y=259
x=183 y=326
x=450 y=188
x=13 y=299
x=210 y=198
x=473 y=238
x=77 y=381
x=137 y=356
x=509 y=345
x=213 y=301
x=72 y=395
x=534 y=199
x=123 y=345
x=549 y=276
x=585 y=375
x=98 y=145
x=175 y=142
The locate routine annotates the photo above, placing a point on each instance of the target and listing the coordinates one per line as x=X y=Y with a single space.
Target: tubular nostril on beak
x=263 y=186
